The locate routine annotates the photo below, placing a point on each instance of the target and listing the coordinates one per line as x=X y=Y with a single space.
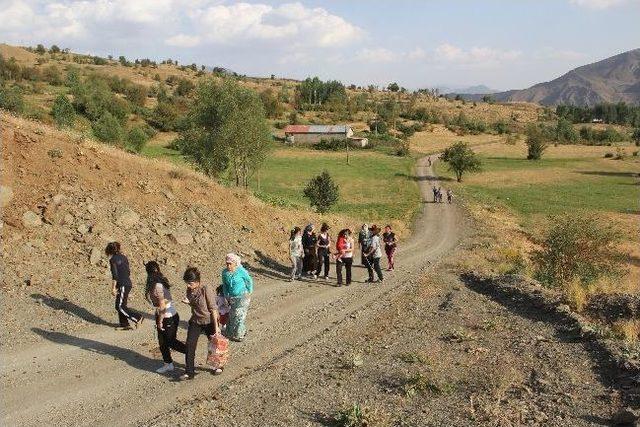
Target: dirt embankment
x=64 y=198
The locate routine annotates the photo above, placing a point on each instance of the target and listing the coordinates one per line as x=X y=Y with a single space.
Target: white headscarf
x=233 y=258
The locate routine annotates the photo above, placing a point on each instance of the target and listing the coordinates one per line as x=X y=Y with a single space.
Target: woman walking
x=167 y=318
x=344 y=256
x=323 y=245
x=121 y=286
x=390 y=244
x=237 y=287
x=204 y=318
x=449 y=196
x=364 y=241
x=296 y=253
x=309 y=241
x=374 y=255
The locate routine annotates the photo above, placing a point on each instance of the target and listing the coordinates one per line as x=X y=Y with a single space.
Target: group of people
x=311 y=253
x=438 y=195
x=222 y=312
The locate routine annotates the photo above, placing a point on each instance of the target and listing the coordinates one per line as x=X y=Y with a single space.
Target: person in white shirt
x=296 y=253
x=373 y=255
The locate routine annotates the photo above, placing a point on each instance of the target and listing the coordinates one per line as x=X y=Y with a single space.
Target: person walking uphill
x=204 y=318
x=237 y=287
x=324 y=243
x=374 y=255
x=167 y=318
x=390 y=244
x=121 y=285
x=309 y=241
x=364 y=241
x=344 y=256
x=296 y=253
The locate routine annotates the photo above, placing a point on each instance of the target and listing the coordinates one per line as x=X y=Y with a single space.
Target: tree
x=322 y=192
x=63 y=112
x=636 y=136
x=393 y=87
x=137 y=139
x=54 y=49
x=40 y=50
x=228 y=129
x=163 y=116
x=536 y=142
x=272 y=106
x=579 y=247
x=136 y=94
x=461 y=159
x=565 y=131
x=107 y=128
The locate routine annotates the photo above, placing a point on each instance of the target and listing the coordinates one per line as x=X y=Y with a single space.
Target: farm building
x=312 y=134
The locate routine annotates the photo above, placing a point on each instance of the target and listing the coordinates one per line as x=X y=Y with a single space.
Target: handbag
x=218 y=351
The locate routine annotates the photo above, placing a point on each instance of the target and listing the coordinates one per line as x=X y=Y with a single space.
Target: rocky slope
x=64 y=198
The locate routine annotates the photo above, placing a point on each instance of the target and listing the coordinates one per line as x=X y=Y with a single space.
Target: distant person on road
x=344 y=255
x=296 y=253
x=237 y=286
x=429 y=161
x=435 y=194
x=167 y=318
x=204 y=318
x=323 y=250
x=121 y=286
x=449 y=196
x=364 y=241
x=373 y=256
x=439 y=194
x=309 y=241
x=390 y=244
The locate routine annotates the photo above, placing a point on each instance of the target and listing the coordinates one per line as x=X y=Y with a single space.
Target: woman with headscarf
x=309 y=241
x=364 y=241
x=237 y=286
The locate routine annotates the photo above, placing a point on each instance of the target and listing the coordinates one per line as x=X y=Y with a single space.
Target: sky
x=504 y=44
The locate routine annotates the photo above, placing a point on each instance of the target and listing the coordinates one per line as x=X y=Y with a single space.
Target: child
x=223 y=307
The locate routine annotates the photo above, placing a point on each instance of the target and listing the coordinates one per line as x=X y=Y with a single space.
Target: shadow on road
x=423 y=178
x=132 y=358
x=72 y=308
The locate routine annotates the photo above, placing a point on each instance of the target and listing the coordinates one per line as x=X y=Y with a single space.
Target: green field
x=554 y=185
x=372 y=186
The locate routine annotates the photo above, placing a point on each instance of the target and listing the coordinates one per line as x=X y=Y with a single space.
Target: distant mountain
x=613 y=79
x=466 y=90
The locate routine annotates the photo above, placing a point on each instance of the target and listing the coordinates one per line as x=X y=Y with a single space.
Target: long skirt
x=236 y=329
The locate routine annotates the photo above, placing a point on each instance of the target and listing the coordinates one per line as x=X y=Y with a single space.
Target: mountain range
x=614 y=79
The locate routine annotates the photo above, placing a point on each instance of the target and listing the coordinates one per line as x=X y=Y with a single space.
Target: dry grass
x=436 y=138
x=628 y=330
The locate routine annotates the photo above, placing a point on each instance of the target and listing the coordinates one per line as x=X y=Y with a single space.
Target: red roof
x=296 y=129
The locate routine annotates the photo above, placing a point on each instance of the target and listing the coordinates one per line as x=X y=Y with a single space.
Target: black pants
x=323 y=259
x=167 y=338
x=193 y=333
x=124 y=313
x=374 y=264
x=309 y=260
x=347 y=263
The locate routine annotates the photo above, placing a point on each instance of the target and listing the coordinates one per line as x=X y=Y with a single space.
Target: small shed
x=313 y=134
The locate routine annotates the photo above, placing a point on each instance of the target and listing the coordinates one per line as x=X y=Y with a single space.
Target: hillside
x=64 y=198
x=613 y=79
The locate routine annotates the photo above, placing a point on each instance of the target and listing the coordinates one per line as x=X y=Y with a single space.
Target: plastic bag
x=218 y=351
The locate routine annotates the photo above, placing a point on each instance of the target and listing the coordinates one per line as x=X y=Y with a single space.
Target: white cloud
x=183 y=40
x=597 y=4
x=476 y=56
x=559 y=54
x=375 y=55
x=417 y=54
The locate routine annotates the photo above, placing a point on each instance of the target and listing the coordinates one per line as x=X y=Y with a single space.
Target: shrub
x=379 y=126
x=608 y=155
x=185 y=87
x=163 y=116
x=136 y=94
x=11 y=99
x=63 y=112
x=52 y=75
x=536 y=142
x=565 y=132
x=107 y=129
x=501 y=127
x=330 y=144
x=461 y=159
x=137 y=139
x=322 y=192
x=578 y=247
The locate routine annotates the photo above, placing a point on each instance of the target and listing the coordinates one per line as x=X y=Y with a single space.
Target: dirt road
x=105 y=377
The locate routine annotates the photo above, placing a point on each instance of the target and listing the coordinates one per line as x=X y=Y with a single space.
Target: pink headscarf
x=233 y=258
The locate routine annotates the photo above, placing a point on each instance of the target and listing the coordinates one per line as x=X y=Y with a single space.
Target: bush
x=501 y=127
x=322 y=192
x=164 y=116
x=330 y=144
x=379 y=125
x=11 y=99
x=608 y=155
x=63 y=112
x=107 y=129
x=185 y=87
x=536 y=142
x=136 y=139
x=578 y=247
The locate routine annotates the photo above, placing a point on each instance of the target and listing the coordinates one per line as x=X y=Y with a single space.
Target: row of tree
x=619 y=113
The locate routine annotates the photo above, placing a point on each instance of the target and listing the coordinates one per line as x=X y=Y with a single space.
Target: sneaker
x=326 y=277
x=217 y=371
x=167 y=367
x=185 y=377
